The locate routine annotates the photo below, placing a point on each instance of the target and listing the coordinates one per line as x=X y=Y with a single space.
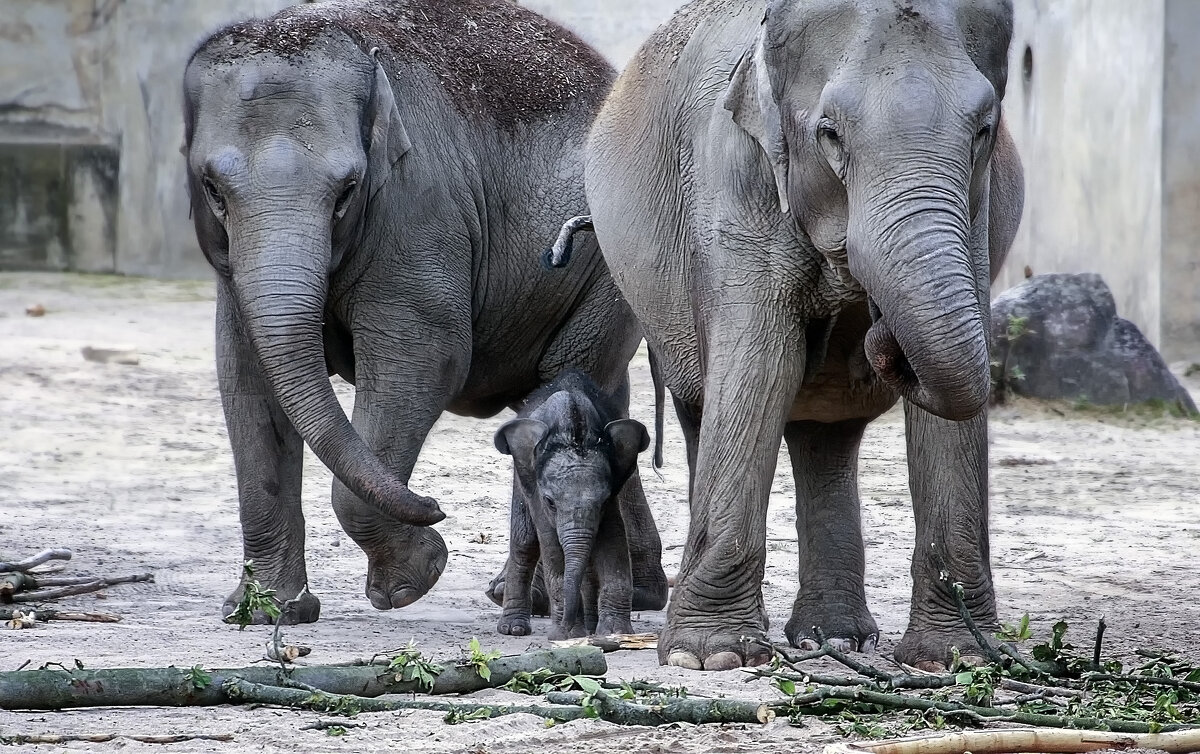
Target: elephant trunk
x=279 y=267
x=928 y=340
x=576 y=541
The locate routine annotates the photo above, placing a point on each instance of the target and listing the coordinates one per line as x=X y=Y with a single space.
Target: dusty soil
x=129 y=465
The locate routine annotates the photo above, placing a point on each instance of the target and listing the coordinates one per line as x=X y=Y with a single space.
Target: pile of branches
x=32 y=581
x=1054 y=688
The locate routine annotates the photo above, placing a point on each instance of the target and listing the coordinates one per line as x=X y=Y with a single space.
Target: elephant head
x=571 y=468
x=286 y=150
x=877 y=119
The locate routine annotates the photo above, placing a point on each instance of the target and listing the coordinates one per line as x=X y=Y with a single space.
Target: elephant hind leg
x=831 y=596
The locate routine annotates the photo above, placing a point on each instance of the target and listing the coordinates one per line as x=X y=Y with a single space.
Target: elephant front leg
x=831 y=596
x=402 y=386
x=268 y=459
x=754 y=367
x=615 y=587
x=947 y=464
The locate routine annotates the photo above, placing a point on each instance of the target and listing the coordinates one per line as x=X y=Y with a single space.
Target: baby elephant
x=572 y=453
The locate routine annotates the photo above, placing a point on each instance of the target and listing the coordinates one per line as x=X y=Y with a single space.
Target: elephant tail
x=559 y=254
x=659 y=398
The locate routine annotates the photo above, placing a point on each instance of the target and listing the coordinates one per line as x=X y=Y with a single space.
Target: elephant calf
x=572 y=453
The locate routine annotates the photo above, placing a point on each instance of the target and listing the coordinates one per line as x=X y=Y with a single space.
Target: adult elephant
x=802 y=207
x=372 y=182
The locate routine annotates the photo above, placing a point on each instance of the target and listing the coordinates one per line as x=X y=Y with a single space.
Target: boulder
x=1058 y=336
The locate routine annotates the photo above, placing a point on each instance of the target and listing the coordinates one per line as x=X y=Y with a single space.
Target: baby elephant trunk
x=576 y=537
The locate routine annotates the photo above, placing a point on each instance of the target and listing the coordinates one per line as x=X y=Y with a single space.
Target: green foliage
x=478 y=659
x=1015 y=634
x=199 y=678
x=979 y=684
x=254 y=598
x=456 y=716
x=1017 y=328
x=408 y=665
x=336 y=731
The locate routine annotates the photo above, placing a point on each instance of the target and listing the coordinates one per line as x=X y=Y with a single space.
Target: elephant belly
x=845 y=387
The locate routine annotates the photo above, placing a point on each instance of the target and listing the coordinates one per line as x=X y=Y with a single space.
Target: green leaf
x=786 y=685
x=589 y=686
x=199 y=678
x=964 y=678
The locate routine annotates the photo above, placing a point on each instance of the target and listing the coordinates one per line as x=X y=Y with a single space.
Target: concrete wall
x=1180 y=278
x=1087 y=118
x=99 y=77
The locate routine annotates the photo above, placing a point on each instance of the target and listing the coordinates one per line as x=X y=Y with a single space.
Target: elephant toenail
x=929 y=666
x=842 y=645
x=405 y=596
x=684 y=660
x=723 y=661
x=809 y=645
x=869 y=644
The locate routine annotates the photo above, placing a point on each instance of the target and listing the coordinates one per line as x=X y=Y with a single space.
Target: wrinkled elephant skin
x=375 y=210
x=803 y=207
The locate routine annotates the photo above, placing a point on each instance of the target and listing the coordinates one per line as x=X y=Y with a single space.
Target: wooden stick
x=42 y=595
x=694 y=710
x=43 y=615
x=1023 y=740
x=241 y=691
x=176 y=687
x=36 y=560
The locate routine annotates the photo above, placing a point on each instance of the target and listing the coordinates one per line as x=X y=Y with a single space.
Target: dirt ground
x=130 y=466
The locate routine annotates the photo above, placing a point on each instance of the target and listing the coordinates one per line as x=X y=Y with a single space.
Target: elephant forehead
x=570 y=469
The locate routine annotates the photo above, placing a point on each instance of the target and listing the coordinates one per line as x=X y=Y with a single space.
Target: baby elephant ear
x=629 y=437
x=389 y=140
x=519 y=437
x=752 y=103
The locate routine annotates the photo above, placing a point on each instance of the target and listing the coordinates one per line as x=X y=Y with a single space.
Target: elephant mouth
x=887 y=357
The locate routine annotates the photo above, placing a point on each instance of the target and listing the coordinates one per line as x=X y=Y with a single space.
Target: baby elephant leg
x=610 y=561
x=522 y=559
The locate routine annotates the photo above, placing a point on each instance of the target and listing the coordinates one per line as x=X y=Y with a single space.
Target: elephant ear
x=389 y=140
x=628 y=437
x=752 y=103
x=519 y=438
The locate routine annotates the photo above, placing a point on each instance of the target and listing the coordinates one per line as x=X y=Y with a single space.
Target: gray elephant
x=373 y=182
x=803 y=207
x=573 y=452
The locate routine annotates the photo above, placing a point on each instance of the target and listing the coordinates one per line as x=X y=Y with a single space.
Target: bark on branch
x=176 y=687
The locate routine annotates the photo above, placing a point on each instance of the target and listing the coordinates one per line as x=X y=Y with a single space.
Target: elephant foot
x=848 y=628
x=306 y=609
x=933 y=649
x=558 y=632
x=650 y=591
x=613 y=624
x=540 y=602
x=708 y=649
x=514 y=625
x=404 y=566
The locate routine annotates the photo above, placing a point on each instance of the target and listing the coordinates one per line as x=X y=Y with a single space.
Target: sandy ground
x=130 y=466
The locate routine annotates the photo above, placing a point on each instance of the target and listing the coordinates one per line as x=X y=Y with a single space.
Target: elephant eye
x=983 y=133
x=550 y=503
x=214 y=196
x=343 y=200
x=827 y=130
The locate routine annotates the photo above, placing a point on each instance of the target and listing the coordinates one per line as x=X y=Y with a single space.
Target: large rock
x=1058 y=336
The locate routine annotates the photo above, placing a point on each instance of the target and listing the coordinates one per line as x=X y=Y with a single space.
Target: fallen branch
x=35 y=560
x=99 y=738
x=177 y=687
x=239 y=690
x=696 y=711
x=965 y=614
x=1010 y=741
x=44 y=615
x=15 y=587
x=968 y=711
